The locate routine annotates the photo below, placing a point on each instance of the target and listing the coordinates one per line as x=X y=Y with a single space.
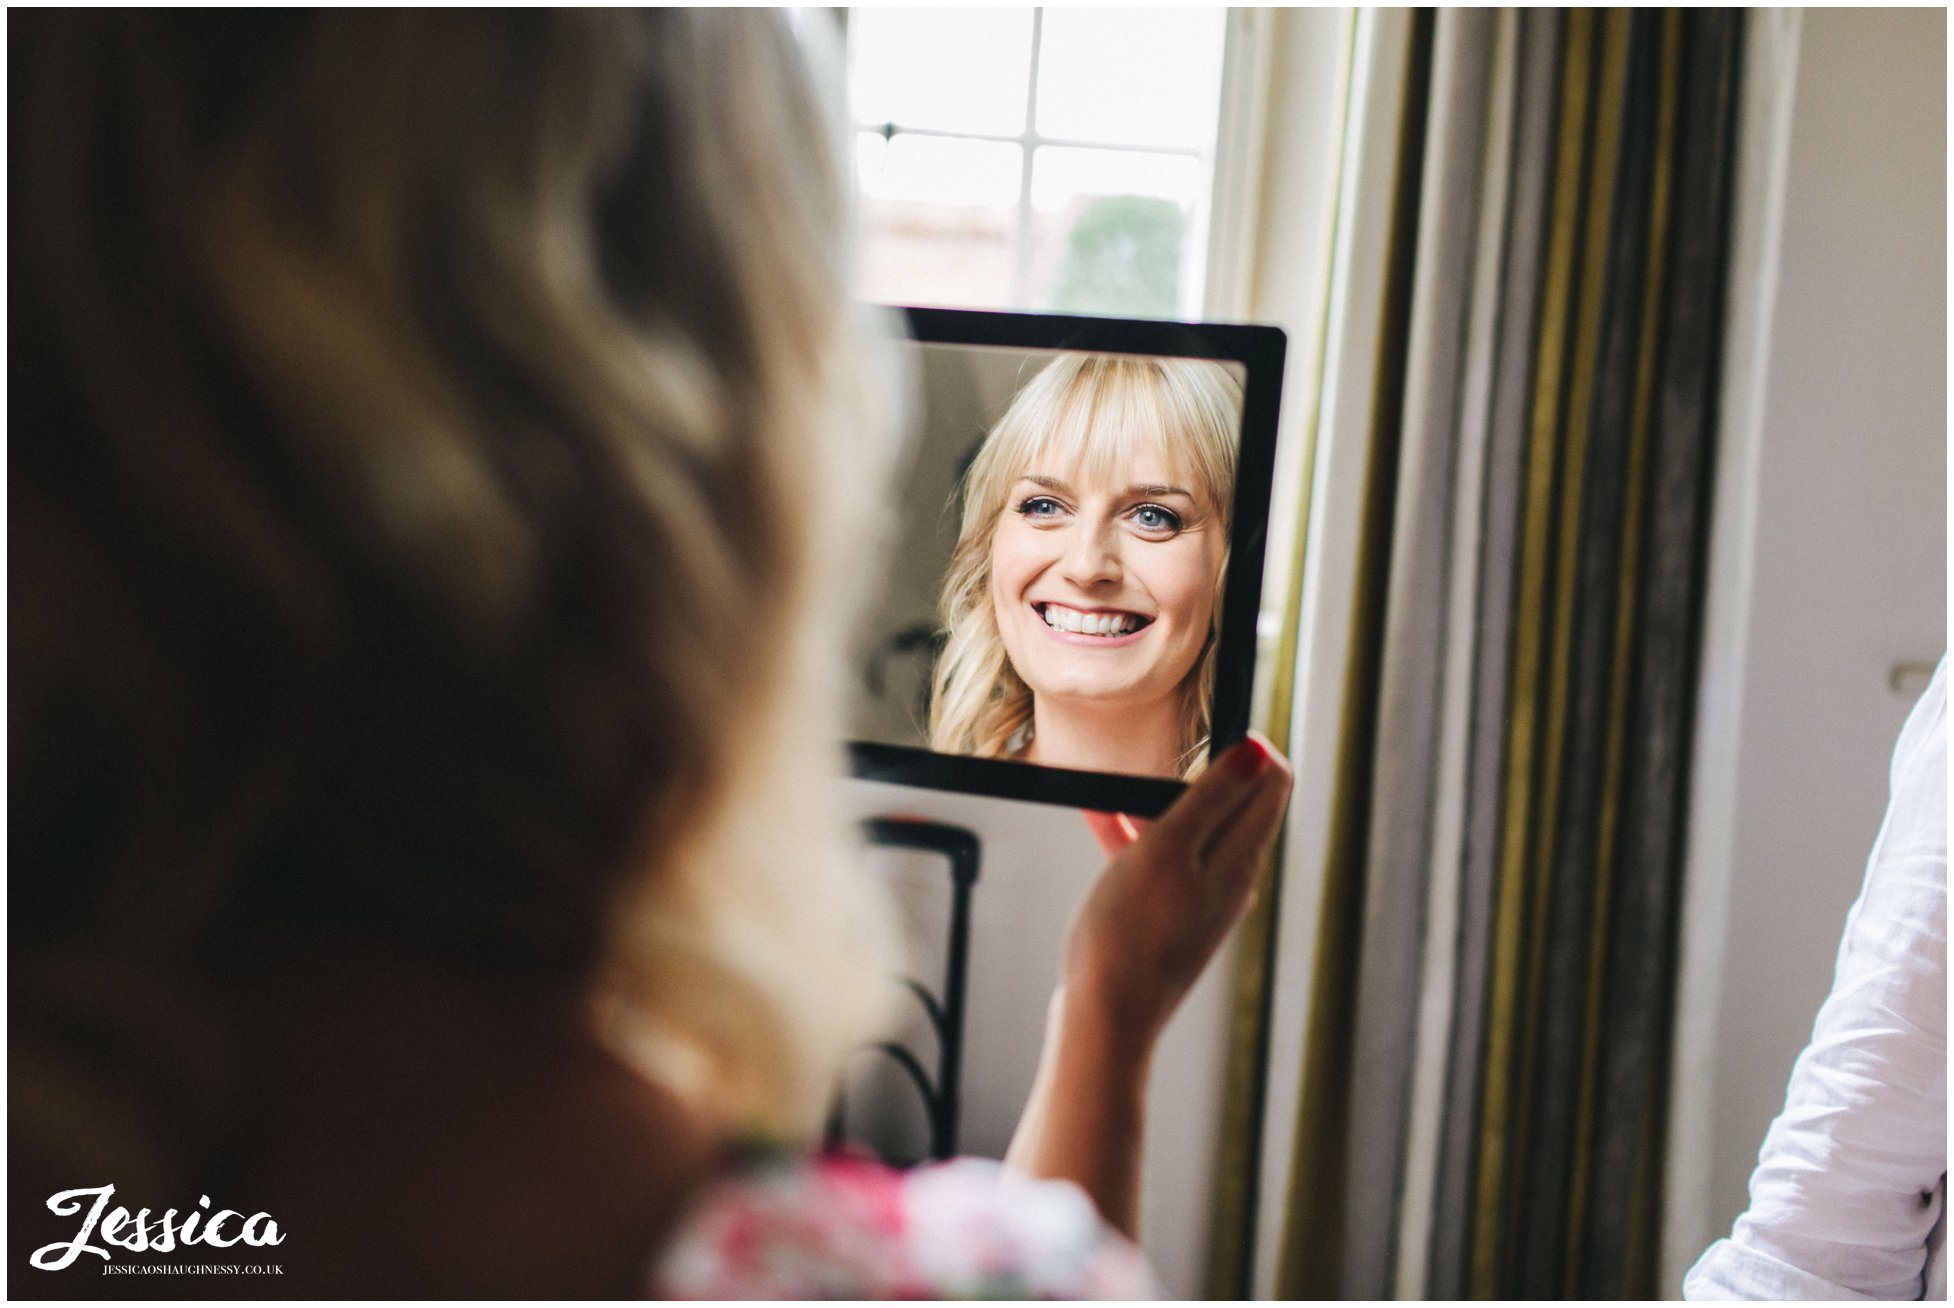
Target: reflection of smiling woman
x=1082 y=599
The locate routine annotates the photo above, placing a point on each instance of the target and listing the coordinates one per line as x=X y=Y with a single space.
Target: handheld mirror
x=1069 y=607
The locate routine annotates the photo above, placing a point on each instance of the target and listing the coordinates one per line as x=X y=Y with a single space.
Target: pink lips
x=1080 y=638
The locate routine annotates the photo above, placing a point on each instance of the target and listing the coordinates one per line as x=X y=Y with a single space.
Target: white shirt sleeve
x=1851 y=1183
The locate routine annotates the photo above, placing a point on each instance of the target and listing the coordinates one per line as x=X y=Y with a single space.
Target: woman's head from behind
x=419 y=419
x=1087 y=572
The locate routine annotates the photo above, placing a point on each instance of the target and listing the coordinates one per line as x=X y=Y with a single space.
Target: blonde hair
x=1095 y=411
x=435 y=438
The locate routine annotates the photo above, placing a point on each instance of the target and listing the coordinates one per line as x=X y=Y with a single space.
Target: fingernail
x=1247 y=759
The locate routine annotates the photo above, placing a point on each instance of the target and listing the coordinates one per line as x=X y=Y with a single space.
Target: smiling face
x=1082 y=593
x=1104 y=585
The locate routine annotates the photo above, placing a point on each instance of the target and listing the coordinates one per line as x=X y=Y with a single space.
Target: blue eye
x=1039 y=506
x=1155 y=520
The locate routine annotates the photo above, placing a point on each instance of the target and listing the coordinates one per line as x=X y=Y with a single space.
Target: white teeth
x=1060 y=618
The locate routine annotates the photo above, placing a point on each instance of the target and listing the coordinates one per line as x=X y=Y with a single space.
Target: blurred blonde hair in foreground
x=1091 y=412
x=434 y=435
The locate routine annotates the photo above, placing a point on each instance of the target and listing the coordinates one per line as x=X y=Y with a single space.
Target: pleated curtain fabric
x=1487 y=1057
x=1405 y=740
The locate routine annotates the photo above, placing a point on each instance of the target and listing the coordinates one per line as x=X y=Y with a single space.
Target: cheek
x=1014 y=560
x=1183 y=584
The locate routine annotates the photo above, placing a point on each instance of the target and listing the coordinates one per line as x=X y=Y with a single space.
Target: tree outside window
x=1045 y=159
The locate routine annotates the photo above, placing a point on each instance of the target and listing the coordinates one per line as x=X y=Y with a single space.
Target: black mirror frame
x=1261 y=351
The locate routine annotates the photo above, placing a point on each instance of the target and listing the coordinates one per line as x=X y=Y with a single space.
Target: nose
x=1092 y=556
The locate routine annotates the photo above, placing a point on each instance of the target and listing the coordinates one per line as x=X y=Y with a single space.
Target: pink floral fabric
x=841 y=1227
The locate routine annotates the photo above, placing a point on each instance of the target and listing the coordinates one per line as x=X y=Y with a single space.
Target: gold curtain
x=1543 y=428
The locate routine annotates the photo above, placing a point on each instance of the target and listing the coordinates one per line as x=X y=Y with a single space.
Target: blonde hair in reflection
x=484 y=385
x=1092 y=413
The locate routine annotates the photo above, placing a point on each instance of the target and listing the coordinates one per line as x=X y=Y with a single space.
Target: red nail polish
x=1248 y=759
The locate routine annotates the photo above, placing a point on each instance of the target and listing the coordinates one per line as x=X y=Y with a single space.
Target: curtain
x=1486 y=1059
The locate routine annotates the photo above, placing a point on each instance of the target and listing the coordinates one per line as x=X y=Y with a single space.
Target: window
x=1055 y=159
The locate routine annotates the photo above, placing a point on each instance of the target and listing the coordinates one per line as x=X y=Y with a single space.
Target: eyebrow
x=1150 y=489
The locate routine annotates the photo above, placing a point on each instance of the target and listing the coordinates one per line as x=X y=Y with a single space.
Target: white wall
x=1829 y=565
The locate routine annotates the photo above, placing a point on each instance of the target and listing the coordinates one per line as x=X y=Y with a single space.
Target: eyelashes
x=1155 y=521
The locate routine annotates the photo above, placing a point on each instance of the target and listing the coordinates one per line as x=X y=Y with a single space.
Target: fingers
x=1113 y=831
x=1215 y=797
x=1242 y=846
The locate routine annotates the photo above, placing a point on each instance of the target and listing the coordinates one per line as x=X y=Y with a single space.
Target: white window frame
x=1196 y=257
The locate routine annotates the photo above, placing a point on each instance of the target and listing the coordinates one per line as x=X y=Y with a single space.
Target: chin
x=1087 y=693
x=1083 y=698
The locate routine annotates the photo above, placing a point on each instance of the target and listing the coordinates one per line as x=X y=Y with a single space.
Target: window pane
x=1131 y=76
x=938 y=219
x=1111 y=231
x=954 y=70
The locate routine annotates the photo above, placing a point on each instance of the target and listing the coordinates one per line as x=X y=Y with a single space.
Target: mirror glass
x=1053 y=590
